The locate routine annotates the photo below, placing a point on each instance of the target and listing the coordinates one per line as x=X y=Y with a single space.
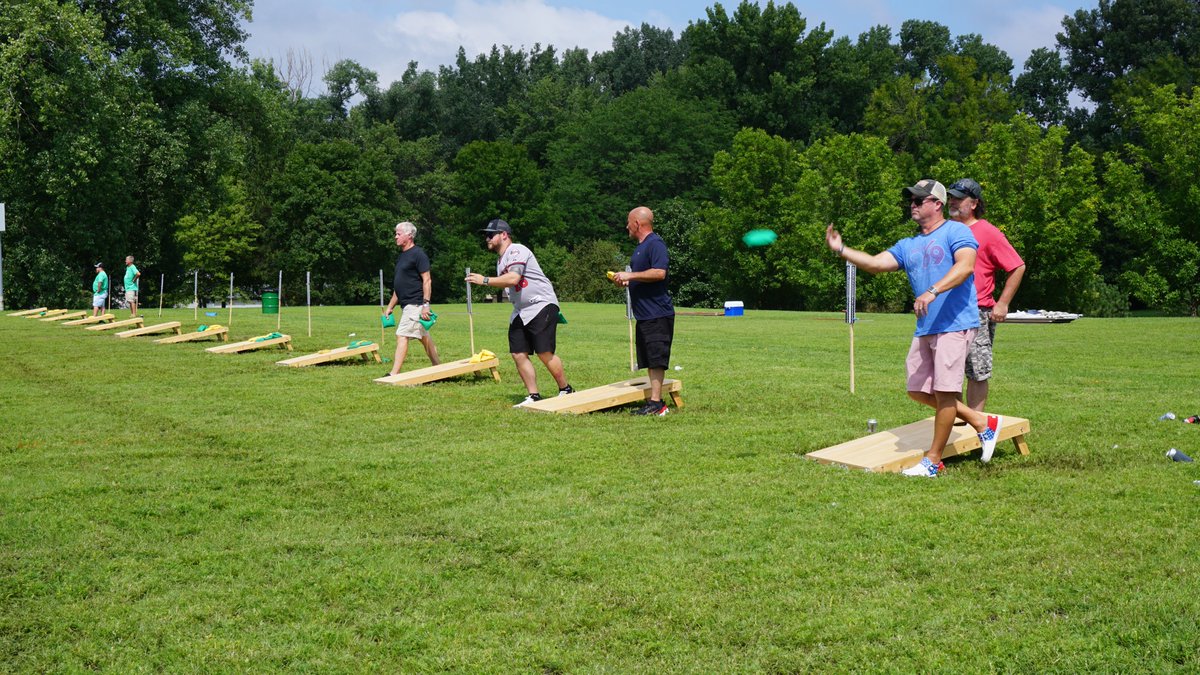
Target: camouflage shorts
x=979 y=359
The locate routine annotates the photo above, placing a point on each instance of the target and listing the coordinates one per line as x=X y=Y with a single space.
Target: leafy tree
x=644 y=147
x=637 y=55
x=582 y=278
x=1044 y=196
x=1127 y=46
x=1041 y=91
x=762 y=64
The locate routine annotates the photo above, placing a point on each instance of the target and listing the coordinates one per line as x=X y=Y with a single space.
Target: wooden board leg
x=677 y=399
x=496 y=374
x=1022 y=446
x=288 y=345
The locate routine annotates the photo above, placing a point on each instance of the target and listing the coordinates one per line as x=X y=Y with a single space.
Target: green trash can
x=270 y=303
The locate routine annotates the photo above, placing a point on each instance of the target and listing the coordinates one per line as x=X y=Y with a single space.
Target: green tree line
x=141 y=127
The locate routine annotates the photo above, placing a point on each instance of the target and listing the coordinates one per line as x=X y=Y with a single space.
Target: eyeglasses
x=918 y=202
x=487 y=236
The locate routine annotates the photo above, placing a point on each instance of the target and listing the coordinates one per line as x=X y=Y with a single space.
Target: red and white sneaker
x=989 y=436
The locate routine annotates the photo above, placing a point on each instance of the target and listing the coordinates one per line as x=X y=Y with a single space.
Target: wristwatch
x=934 y=290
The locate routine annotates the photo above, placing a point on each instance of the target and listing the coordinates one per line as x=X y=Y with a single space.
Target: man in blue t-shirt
x=940 y=262
x=647 y=283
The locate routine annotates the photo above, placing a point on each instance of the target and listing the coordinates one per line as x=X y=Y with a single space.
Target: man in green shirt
x=131 y=285
x=99 y=290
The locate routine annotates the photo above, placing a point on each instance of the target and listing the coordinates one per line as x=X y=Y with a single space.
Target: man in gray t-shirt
x=534 y=322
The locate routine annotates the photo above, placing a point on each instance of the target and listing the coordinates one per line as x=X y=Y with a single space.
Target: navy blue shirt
x=651 y=300
x=407 y=280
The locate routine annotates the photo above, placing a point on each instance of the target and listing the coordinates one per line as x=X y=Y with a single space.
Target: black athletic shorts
x=536 y=337
x=654 y=342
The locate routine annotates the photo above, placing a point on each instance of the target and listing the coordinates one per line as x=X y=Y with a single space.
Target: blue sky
x=385 y=36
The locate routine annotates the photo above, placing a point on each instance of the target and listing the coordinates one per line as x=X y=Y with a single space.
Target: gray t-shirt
x=534 y=291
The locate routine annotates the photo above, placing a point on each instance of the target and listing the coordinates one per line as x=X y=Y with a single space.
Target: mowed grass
x=162 y=508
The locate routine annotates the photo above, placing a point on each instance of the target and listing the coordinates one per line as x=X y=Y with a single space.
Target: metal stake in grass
x=470 y=313
x=629 y=317
x=279 y=309
x=196 y=294
x=308 y=299
x=231 y=299
x=851 y=312
x=162 y=279
x=382 y=333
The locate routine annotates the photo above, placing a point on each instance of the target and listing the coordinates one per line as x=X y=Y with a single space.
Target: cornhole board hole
x=607 y=396
x=222 y=334
x=89 y=320
x=442 y=372
x=365 y=351
x=65 y=317
x=151 y=330
x=29 y=312
x=897 y=449
x=135 y=321
x=251 y=345
x=48 y=313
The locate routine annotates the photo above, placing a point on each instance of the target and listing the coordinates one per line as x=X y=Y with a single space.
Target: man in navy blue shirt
x=651 y=301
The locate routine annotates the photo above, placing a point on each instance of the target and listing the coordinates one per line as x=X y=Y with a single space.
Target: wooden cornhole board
x=608 y=396
x=89 y=320
x=897 y=449
x=222 y=334
x=151 y=330
x=441 y=372
x=65 y=317
x=366 y=351
x=135 y=321
x=251 y=345
x=48 y=313
x=28 y=312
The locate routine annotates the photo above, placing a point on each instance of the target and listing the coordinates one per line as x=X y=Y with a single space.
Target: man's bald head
x=640 y=223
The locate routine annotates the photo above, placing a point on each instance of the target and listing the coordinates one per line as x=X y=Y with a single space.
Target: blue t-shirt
x=650 y=300
x=926 y=258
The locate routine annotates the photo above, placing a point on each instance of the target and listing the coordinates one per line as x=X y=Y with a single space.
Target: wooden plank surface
x=135 y=321
x=366 y=351
x=251 y=345
x=28 y=312
x=151 y=330
x=607 y=396
x=441 y=372
x=47 y=313
x=902 y=447
x=65 y=317
x=222 y=334
x=89 y=320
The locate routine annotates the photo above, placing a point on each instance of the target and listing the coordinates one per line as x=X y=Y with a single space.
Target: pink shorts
x=936 y=362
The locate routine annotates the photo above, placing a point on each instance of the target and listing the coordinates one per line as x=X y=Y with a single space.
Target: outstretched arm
x=875 y=264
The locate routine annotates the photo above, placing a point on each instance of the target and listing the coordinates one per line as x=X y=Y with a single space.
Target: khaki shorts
x=936 y=362
x=409 y=325
x=131 y=296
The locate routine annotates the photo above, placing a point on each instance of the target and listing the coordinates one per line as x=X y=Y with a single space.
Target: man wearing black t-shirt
x=411 y=287
x=652 y=305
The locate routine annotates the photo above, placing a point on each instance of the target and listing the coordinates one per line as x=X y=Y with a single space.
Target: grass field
x=162 y=508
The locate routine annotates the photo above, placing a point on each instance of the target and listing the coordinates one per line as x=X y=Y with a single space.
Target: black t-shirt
x=407 y=281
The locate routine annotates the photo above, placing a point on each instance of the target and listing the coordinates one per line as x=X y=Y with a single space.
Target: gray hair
x=407 y=228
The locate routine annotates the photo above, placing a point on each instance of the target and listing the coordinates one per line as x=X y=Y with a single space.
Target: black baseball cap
x=496 y=226
x=965 y=187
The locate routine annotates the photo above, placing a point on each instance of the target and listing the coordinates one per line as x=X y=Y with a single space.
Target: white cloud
x=387 y=43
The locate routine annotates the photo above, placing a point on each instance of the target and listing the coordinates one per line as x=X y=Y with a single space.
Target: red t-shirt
x=994 y=253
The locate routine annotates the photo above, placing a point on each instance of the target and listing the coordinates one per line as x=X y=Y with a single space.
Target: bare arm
x=1011 y=283
x=426 y=293
x=506 y=280
x=391 y=304
x=645 y=276
x=875 y=264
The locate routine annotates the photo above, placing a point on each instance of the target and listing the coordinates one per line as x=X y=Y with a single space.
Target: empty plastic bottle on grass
x=1177 y=456
x=1166 y=416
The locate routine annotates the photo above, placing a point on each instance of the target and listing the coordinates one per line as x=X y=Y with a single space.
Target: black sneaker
x=656 y=408
x=566 y=390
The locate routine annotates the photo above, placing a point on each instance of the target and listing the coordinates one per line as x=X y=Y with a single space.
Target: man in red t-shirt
x=995 y=253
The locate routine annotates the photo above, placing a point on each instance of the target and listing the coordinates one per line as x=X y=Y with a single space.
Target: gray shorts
x=979 y=359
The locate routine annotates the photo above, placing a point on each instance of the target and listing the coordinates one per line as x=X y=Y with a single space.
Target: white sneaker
x=532 y=398
x=989 y=436
x=925 y=469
